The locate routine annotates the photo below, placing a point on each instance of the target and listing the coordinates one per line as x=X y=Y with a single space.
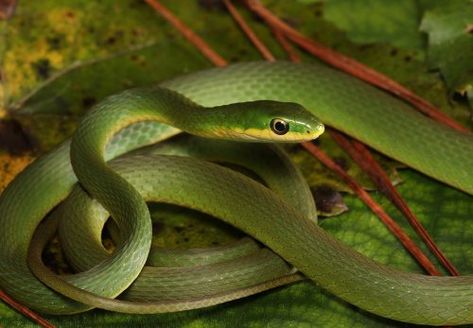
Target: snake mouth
x=319 y=130
x=307 y=133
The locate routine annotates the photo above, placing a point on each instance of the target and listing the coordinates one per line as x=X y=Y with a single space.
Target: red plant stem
x=361 y=155
x=7 y=8
x=264 y=51
x=293 y=55
x=352 y=66
x=192 y=37
x=406 y=241
x=25 y=311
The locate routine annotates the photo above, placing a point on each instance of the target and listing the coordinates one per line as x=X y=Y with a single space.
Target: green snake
x=249 y=101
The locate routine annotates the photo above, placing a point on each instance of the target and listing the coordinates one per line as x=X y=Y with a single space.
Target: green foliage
x=447 y=24
x=450 y=30
x=375 y=21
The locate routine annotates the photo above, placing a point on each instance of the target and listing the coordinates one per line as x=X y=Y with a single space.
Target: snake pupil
x=279 y=126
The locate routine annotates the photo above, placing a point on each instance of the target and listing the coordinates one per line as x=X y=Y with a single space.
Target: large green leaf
x=370 y=21
x=60 y=57
x=450 y=30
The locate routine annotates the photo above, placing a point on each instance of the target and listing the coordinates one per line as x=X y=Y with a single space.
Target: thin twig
x=290 y=51
x=376 y=208
x=361 y=155
x=192 y=37
x=260 y=46
x=352 y=66
x=25 y=311
x=7 y=8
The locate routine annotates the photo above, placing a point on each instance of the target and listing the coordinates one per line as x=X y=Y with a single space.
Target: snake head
x=267 y=121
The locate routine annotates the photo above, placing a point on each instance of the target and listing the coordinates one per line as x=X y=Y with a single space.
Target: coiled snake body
x=381 y=121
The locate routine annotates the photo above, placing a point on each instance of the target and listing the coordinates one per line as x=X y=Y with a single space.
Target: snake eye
x=279 y=126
